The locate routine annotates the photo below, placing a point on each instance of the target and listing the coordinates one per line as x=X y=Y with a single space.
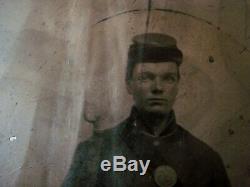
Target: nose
x=157 y=86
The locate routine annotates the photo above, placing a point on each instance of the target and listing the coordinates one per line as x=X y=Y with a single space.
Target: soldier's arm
x=85 y=164
x=220 y=177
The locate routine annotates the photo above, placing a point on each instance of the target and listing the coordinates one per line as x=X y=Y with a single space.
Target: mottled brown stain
x=230 y=132
x=211 y=59
x=241 y=117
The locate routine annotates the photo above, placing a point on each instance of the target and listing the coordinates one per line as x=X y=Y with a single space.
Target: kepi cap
x=154 y=47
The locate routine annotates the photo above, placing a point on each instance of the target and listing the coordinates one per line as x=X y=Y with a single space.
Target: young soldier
x=148 y=149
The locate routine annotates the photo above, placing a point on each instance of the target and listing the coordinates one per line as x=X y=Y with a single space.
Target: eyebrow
x=151 y=73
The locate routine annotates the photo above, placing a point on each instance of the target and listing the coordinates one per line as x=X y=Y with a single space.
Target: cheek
x=172 y=91
x=142 y=89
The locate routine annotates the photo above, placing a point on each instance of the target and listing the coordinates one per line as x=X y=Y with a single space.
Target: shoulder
x=102 y=137
x=88 y=155
x=204 y=160
x=197 y=148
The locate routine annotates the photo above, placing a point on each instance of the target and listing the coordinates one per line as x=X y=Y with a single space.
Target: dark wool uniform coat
x=194 y=162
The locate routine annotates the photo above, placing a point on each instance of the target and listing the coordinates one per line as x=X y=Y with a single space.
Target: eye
x=170 y=78
x=145 y=77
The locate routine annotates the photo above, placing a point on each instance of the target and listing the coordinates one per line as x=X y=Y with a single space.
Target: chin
x=157 y=109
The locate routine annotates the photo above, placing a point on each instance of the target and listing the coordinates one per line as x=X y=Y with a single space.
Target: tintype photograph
x=126 y=93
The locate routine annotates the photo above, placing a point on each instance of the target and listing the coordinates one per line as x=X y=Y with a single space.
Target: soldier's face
x=154 y=86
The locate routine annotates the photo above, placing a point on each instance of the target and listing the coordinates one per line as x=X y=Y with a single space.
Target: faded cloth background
x=62 y=67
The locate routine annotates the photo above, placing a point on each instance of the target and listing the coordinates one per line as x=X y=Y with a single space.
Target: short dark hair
x=154 y=48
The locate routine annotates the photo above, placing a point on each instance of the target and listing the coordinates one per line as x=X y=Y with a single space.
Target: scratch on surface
x=148 y=14
x=118 y=14
x=156 y=9
x=171 y=11
x=244 y=49
x=185 y=14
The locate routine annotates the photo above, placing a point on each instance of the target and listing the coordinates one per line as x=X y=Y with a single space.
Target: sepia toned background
x=62 y=67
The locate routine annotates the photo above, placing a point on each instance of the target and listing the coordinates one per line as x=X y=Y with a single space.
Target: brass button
x=165 y=176
x=156 y=143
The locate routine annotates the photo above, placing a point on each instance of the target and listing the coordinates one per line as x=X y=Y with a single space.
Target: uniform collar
x=169 y=127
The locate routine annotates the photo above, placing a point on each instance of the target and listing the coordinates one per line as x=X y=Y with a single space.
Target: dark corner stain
x=218 y=28
x=241 y=117
x=248 y=170
x=16 y=103
x=230 y=132
x=211 y=59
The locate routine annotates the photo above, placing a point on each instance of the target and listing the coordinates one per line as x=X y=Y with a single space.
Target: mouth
x=157 y=101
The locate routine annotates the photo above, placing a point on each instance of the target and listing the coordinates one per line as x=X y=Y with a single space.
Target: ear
x=129 y=86
x=176 y=90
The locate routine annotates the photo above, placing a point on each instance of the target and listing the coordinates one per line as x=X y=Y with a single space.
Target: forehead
x=156 y=68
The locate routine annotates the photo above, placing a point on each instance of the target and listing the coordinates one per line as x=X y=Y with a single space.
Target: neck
x=153 y=123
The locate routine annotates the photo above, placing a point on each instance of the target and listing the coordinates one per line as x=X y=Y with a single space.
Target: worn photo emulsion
x=173 y=156
x=124 y=93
